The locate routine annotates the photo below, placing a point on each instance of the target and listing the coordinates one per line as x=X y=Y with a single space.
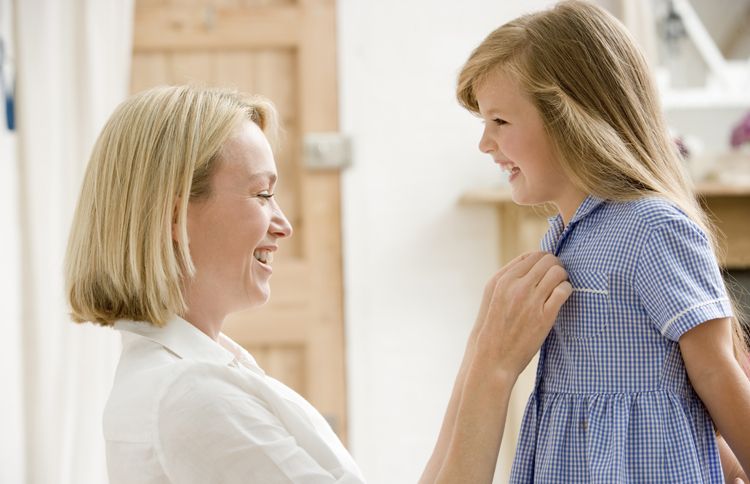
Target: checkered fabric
x=612 y=401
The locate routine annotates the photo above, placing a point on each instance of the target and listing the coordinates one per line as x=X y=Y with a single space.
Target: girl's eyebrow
x=492 y=110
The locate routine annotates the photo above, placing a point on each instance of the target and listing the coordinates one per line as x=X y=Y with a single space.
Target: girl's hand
x=733 y=472
x=721 y=383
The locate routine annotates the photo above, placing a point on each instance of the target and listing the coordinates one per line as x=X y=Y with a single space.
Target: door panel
x=285 y=51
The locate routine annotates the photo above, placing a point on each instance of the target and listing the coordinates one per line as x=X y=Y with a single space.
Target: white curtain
x=11 y=414
x=73 y=63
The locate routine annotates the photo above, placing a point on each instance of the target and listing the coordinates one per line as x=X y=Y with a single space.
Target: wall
x=415 y=260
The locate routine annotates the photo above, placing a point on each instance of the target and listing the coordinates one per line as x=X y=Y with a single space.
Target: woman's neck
x=210 y=325
x=203 y=312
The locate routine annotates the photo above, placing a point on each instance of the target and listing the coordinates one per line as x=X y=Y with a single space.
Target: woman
x=176 y=228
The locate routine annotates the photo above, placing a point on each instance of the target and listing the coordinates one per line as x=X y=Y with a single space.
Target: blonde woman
x=175 y=228
x=644 y=358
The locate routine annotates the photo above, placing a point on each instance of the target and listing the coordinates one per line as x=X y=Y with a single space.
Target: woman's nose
x=280 y=225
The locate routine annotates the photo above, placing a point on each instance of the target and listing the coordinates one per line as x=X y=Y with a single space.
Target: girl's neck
x=568 y=204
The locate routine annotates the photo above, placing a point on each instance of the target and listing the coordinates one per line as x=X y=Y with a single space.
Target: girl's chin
x=522 y=197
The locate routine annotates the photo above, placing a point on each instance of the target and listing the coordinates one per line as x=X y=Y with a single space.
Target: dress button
x=585 y=425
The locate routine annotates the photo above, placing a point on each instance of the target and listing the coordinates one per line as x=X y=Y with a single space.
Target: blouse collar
x=183 y=339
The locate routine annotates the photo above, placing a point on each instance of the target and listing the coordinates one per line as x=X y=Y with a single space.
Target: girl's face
x=515 y=137
x=234 y=231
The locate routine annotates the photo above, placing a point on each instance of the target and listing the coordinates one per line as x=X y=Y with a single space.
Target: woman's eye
x=265 y=195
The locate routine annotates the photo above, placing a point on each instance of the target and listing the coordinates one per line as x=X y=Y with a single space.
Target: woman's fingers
x=521 y=265
x=519 y=307
x=489 y=291
x=540 y=269
x=507 y=275
x=553 y=288
x=513 y=265
x=560 y=293
x=553 y=276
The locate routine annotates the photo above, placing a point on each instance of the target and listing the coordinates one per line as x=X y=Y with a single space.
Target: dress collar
x=586 y=207
x=557 y=227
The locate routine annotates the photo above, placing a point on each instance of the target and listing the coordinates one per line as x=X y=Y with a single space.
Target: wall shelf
x=726 y=80
x=521 y=227
x=703 y=99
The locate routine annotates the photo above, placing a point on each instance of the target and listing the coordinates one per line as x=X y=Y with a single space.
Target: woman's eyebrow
x=263 y=174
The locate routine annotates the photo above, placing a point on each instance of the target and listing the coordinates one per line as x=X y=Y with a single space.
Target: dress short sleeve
x=678 y=279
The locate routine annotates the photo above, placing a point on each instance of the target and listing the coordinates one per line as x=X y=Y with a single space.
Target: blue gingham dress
x=612 y=401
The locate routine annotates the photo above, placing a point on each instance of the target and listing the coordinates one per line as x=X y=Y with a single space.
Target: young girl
x=643 y=359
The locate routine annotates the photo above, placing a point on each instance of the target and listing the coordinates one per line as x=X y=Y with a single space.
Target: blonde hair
x=157 y=151
x=592 y=88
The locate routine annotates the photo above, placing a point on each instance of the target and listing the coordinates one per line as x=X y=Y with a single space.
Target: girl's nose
x=486 y=145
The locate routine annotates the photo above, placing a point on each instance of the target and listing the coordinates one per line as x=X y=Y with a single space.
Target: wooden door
x=285 y=50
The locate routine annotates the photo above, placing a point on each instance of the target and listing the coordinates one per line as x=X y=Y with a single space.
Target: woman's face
x=234 y=232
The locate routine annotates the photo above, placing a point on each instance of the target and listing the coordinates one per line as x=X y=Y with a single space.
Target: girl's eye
x=499 y=121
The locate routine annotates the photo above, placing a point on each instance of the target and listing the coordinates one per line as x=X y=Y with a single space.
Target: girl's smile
x=515 y=136
x=509 y=168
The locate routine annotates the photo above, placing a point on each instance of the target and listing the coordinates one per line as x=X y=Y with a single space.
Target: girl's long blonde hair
x=593 y=90
x=157 y=151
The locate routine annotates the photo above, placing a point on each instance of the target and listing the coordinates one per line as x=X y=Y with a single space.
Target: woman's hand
x=519 y=307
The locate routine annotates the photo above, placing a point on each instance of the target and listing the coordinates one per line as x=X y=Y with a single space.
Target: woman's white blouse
x=185 y=409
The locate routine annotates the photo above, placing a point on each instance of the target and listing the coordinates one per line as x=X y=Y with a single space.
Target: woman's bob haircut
x=156 y=152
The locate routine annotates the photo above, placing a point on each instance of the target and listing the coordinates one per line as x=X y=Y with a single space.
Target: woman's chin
x=258 y=297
